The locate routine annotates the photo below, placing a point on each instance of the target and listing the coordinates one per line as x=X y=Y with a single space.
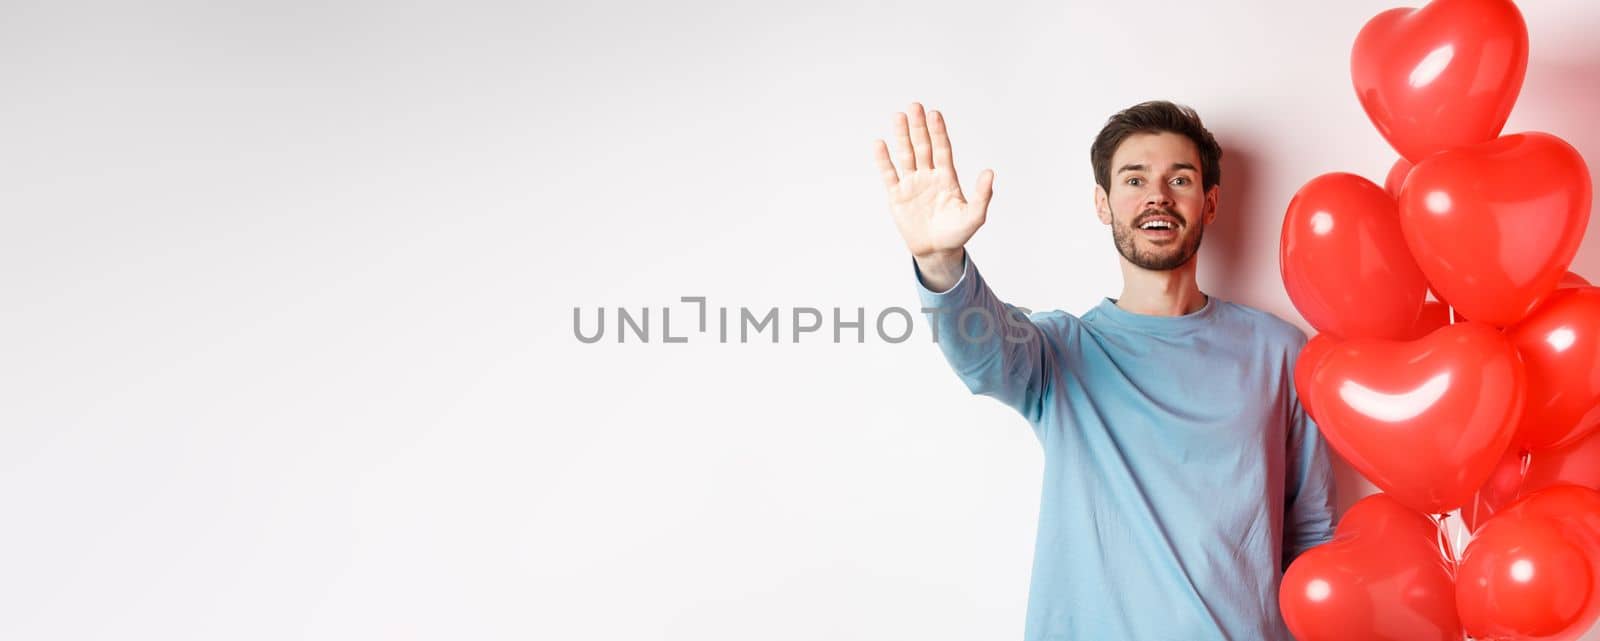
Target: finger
x=880 y=153
x=919 y=138
x=941 y=142
x=902 y=144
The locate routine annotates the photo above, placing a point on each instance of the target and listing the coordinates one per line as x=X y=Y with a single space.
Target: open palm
x=929 y=209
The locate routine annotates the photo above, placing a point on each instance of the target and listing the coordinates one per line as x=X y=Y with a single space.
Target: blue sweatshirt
x=1181 y=475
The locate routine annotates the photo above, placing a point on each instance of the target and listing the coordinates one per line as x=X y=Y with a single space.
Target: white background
x=290 y=289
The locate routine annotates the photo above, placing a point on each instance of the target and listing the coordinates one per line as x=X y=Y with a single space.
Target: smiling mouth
x=1159 y=223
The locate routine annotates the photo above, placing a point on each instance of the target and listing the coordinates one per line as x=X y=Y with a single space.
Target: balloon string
x=1445 y=548
x=1477 y=512
x=1459 y=546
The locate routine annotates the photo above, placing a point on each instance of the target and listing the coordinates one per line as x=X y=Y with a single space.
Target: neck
x=1160 y=293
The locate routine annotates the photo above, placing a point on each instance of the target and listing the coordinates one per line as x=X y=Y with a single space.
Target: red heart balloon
x=1533 y=571
x=1495 y=225
x=1522 y=578
x=1396 y=177
x=1441 y=76
x=1424 y=420
x=1306 y=364
x=1382 y=577
x=1345 y=262
x=1560 y=344
x=1576 y=463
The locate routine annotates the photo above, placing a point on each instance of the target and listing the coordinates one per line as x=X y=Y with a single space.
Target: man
x=1181 y=475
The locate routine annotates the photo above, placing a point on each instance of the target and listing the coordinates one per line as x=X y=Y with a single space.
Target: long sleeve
x=1308 y=517
x=995 y=348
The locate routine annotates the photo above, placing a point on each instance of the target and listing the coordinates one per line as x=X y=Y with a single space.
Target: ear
x=1211 y=203
x=1102 y=205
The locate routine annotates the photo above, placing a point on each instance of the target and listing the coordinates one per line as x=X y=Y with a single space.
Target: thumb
x=980 y=197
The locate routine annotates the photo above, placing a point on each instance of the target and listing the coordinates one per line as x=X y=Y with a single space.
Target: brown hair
x=1156 y=116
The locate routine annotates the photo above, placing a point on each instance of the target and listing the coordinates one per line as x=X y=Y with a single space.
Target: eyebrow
x=1140 y=167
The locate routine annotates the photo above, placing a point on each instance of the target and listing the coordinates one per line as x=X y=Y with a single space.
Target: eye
x=1180 y=181
x=1134 y=181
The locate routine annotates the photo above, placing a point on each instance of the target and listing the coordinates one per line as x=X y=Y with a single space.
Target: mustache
x=1158 y=211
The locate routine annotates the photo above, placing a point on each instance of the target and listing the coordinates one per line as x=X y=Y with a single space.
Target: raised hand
x=933 y=216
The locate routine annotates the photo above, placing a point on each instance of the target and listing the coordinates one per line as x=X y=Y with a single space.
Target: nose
x=1158 y=196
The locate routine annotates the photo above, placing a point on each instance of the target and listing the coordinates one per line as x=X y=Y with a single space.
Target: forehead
x=1155 y=150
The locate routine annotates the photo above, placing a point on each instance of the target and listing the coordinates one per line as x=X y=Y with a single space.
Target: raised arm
x=995 y=348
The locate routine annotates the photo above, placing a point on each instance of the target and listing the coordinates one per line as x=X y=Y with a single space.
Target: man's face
x=1156 y=205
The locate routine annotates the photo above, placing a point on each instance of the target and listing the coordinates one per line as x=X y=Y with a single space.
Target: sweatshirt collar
x=1159 y=324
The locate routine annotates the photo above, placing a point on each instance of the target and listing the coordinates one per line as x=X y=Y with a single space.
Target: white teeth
x=1157 y=224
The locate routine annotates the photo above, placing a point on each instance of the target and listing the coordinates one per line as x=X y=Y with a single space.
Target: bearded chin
x=1123 y=237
